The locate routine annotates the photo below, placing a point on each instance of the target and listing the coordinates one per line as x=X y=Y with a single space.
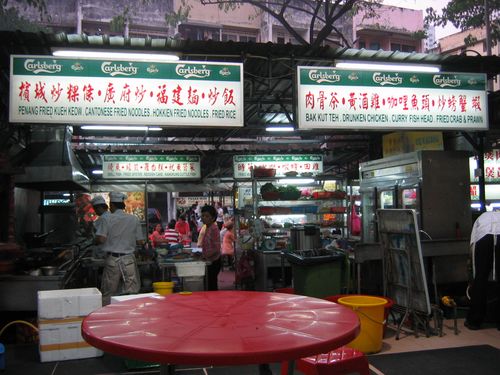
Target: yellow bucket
x=370 y=311
x=163 y=287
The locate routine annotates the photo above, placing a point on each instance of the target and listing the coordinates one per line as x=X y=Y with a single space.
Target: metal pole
x=480 y=166
x=488 y=37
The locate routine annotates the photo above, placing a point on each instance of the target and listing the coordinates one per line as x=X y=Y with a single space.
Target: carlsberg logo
x=387 y=79
x=192 y=71
x=36 y=67
x=445 y=81
x=115 y=69
x=323 y=76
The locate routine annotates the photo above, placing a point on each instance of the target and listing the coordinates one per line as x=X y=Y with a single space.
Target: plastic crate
x=185 y=269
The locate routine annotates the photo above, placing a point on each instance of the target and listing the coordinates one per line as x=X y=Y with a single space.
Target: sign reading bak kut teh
x=331 y=98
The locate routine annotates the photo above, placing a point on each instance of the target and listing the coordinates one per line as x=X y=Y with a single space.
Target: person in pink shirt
x=228 y=244
x=211 y=246
x=182 y=226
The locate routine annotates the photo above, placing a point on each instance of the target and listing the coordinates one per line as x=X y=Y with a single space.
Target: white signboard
x=170 y=167
x=44 y=89
x=308 y=164
x=491 y=167
x=330 y=98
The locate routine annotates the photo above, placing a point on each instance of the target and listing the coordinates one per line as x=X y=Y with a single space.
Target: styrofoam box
x=68 y=302
x=62 y=340
x=184 y=269
x=115 y=299
x=193 y=283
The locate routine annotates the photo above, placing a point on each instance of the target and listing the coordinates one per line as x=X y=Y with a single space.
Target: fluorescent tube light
x=146 y=56
x=360 y=65
x=97 y=171
x=280 y=129
x=296 y=181
x=125 y=128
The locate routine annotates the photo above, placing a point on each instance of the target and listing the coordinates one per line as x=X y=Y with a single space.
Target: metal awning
x=268 y=88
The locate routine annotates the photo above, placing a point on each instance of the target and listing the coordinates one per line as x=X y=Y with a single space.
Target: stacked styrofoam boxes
x=60 y=315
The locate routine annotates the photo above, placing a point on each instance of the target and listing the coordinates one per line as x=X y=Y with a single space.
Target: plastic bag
x=355 y=221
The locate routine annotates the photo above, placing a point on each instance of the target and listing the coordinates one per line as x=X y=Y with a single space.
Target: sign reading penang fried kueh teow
x=330 y=98
x=44 y=89
x=151 y=166
x=305 y=165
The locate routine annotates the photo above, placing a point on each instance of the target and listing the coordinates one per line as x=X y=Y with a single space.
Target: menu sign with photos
x=45 y=89
x=151 y=167
x=331 y=98
x=302 y=164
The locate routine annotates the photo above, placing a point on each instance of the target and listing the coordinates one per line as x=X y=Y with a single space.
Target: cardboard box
x=56 y=304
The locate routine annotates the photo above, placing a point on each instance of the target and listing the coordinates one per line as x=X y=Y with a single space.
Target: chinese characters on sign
x=242 y=164
x=44 y=89
x=330 y=98
x=151 y=166
x=491 y=167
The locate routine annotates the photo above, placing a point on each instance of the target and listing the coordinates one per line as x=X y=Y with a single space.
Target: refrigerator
x=434 y=183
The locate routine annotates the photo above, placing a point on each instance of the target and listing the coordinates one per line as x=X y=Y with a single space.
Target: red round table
x=220 y=328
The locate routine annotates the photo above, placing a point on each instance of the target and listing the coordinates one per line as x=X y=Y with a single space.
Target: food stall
x=282 y=197
x=434 y=184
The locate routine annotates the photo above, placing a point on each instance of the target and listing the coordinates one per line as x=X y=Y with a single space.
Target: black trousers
x=483 y=262
x=213 y=272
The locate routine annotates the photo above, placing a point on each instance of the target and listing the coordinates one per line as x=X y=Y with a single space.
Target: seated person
x=171 y=235
x=156 y=237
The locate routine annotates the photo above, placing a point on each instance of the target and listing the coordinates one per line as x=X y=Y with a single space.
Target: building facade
x=454 y=44
x=392 y=29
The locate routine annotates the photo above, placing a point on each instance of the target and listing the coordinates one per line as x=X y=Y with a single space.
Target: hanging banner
x=44 y=89
x=304 y=165
x=330 y=98
x=170 y=167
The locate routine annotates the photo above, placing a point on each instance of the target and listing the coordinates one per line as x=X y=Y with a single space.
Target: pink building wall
x=392 y=25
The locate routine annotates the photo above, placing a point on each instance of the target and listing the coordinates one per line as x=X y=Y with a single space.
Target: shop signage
x=151 y=166
x=492 y=192
x=403 y=142
x=44 y=89
x=330 y=98
x=302 y=164
x=189 y=201
x=491 y=167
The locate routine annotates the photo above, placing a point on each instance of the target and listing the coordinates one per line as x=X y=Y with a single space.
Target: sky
x=423 y=4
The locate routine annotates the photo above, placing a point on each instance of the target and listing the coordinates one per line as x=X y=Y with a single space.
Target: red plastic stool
x=343 y=360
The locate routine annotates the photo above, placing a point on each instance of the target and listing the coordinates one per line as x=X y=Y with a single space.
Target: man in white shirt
x=119 y=233
x=101 y=209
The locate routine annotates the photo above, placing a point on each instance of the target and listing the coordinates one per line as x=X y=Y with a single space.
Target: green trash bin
x=317 y=273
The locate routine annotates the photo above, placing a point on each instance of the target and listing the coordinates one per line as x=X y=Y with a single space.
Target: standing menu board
x=404 y=274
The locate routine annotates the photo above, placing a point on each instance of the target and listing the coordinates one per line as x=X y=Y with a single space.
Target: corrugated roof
x=269 y=88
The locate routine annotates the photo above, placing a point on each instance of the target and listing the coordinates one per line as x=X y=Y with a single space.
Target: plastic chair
x=343 y=360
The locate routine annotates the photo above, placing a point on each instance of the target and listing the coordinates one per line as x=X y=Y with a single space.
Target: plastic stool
x=343 y=360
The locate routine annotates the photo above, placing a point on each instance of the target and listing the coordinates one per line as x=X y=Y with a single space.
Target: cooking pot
x=305 y=237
